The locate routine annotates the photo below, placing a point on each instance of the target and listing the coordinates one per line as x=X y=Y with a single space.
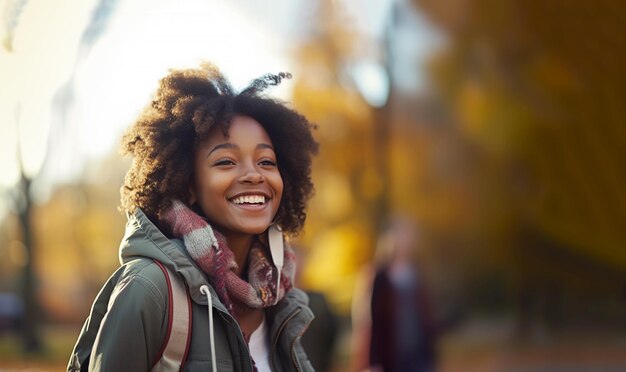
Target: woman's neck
x=240 y=245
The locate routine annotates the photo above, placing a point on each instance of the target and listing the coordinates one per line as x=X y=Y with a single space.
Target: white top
x=259 y=347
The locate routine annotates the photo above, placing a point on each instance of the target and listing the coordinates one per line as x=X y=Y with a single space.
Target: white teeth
x=249 y=199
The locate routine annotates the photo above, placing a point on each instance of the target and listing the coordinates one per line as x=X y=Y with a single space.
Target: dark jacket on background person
x=132 y=332
x=320 y=339
x=386 y=302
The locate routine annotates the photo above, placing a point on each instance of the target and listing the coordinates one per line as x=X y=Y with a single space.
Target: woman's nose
x=251 y=175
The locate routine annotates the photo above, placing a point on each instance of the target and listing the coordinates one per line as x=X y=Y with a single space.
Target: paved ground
x=496 y=346
x=474 y=347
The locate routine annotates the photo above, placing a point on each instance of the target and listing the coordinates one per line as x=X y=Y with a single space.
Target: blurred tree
x=24 y=206
x=341 y=229
x=31 y=320
x=82 y=229
x=537 y=87
x=12 y=10
x=78 y=230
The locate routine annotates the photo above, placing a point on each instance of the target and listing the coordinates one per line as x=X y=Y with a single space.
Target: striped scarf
x=210 y=252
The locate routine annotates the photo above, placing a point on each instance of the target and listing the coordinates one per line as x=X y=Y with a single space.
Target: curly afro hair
x=187 y=104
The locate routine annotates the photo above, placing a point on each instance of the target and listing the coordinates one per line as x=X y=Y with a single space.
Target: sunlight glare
x=43 y=55
x=123 y=70
x=114 y=78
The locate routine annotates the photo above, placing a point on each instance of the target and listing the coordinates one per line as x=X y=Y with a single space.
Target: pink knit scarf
x=209 y=251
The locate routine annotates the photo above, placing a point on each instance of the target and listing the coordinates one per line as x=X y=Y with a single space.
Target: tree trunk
x=30 y=324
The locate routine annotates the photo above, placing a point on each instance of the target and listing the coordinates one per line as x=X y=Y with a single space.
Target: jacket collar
x=143 y=239
x=292 y=309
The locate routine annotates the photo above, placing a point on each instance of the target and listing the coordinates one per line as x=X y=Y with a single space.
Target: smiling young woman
x=216 y=177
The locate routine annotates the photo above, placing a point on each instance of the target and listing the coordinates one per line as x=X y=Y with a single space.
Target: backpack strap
x=176 y=344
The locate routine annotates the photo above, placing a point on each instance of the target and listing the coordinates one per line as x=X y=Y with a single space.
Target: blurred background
x=496 y=126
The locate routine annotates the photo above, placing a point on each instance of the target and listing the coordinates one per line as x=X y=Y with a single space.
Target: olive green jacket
x=127 y=334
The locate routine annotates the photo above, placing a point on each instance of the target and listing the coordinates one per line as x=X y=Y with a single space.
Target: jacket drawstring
x=205 y=291
x=278 y=284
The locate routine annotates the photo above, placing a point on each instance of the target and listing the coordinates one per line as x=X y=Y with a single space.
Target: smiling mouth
x=249 y=200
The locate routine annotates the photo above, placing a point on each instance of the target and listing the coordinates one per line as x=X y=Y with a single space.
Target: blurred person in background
x=320 y=339
x=216 y=179
x=11 y=312
x=392 y=316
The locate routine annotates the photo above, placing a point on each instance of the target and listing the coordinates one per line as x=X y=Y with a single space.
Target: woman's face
x=236 y=180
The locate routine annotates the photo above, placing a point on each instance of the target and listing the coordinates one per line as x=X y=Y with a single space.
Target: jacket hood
x=142 y=239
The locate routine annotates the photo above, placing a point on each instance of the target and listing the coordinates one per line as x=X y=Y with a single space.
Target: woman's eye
x=224 y=162
x=267 y=163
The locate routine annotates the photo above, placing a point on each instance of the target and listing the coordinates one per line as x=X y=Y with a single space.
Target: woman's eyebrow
x=226 y=145
x=233 y=146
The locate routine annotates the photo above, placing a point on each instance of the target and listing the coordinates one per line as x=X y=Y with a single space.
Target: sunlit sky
x=113 y=79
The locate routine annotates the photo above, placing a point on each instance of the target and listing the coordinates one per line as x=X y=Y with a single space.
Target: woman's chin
x=254 y=229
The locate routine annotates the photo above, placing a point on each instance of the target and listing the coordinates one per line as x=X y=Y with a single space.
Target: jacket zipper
x=229 y=319
x=280 y=330
x=293 y=347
